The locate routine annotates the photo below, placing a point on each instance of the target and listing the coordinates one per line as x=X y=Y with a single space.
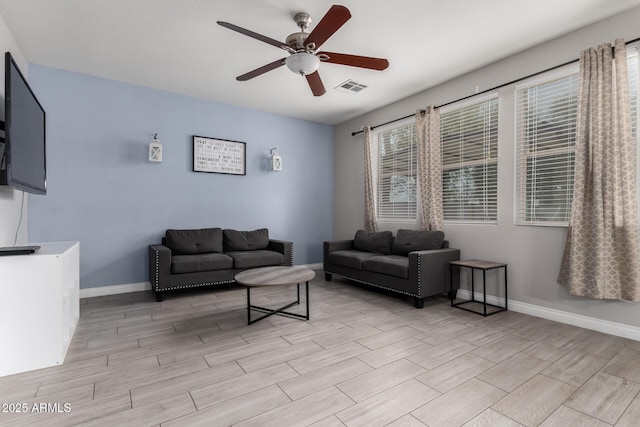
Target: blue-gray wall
x=103 y=192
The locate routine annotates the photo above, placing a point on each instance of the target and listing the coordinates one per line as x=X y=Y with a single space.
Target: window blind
x=469 y=139
x=396 y=186
x=545 y=144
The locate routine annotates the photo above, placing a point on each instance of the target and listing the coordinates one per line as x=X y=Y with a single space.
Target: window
x=545 y=144
x=396 y=182
x=469 y=138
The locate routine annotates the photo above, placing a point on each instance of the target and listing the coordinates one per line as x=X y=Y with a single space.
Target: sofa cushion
x=349 y=258
x=200 y=241
x=234 y=240
x=416 y=240
x=259 y=258
x=379 y=242
x=200 y=262
x=392 y=265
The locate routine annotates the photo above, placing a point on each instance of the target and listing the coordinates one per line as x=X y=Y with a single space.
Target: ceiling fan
x=304 y=55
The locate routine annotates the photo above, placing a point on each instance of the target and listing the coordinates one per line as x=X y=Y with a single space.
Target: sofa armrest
x=430 y=270
x=285 y=248
x=159 y=266
x=336 y=245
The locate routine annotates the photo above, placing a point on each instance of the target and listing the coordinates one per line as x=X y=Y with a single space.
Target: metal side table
x=476 y=264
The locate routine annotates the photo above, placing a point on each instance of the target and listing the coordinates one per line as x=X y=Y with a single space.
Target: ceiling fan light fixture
x=303 y=48
x=303 y=63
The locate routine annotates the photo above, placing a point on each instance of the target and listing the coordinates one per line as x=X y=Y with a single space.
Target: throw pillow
x=235 y=240
x=378 y=242
x=199 y=241
x=416 y=240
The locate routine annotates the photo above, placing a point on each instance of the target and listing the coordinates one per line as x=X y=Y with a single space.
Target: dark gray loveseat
x=414 y=263
x=211 y=256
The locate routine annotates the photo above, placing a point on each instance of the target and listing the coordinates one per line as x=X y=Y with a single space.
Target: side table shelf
x=476 y=264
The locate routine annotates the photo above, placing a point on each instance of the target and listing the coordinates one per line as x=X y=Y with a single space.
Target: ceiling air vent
x=350 y=86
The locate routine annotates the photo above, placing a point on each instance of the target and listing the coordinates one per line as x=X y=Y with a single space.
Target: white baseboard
x=605 y=326
x=317 y=266
x=114 y=289
x=144 y=286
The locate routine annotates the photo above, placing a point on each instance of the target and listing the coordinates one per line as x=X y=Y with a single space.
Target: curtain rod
x=537 y=73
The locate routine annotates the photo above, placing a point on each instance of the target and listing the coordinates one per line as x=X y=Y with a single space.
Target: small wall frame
x=214 y=155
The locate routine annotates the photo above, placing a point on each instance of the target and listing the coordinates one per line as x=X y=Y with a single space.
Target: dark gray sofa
x=414 y=263
x=211 y=256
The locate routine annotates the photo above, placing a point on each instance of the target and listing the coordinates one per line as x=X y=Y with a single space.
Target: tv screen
x=23 y=164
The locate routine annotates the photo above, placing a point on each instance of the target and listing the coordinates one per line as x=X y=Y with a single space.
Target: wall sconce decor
x=155 y=150
x=276 y=161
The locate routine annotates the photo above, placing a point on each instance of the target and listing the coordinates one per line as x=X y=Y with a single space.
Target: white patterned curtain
x=602 y=251
x=370 y=180
x=430 y=212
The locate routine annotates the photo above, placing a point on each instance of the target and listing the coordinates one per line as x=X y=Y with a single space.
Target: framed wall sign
x=219 y=156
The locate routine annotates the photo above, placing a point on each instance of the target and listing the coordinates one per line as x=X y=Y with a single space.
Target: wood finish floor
x=364 y=359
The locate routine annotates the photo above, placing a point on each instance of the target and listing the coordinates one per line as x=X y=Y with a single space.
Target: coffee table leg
x=307 y=298
x=281 y=310
x=248 y=305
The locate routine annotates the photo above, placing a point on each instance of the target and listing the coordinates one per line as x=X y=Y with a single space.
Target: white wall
x=11 y=200
x=533 y=254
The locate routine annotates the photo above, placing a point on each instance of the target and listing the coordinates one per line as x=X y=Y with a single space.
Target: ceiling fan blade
x=315 y=83
x=261 y=70
x=355 y=60
x=254 y=35
x=329 y=24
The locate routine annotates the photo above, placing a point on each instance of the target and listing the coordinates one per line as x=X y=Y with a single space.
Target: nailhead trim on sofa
x=194 y=285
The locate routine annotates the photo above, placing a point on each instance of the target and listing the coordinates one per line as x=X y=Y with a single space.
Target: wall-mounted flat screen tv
x=23 y=161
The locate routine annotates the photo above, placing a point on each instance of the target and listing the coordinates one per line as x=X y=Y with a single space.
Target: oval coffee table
x=275 y=276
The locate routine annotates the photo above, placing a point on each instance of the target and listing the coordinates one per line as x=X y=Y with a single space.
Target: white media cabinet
x=39 y=306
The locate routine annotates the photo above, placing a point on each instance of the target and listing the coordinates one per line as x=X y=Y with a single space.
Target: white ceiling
x=176 y=45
